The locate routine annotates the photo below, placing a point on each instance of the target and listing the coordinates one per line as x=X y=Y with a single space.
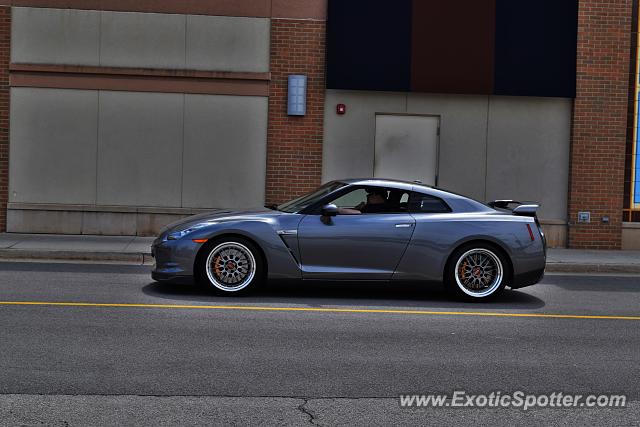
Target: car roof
x=399 y=184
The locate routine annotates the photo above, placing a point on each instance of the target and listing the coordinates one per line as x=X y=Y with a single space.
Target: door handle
x=404 y=225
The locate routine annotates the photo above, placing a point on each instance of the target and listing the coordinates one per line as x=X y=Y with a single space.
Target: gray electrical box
x=297 y=101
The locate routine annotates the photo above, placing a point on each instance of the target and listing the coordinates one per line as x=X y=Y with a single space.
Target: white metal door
x=406 y=147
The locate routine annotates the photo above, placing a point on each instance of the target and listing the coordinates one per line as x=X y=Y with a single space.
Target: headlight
x=180 y=234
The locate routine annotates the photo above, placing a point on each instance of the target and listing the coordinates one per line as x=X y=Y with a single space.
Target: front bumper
x=159 y=276
x=174 y=259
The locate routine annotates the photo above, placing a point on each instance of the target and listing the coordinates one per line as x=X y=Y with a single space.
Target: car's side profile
x=360 y=229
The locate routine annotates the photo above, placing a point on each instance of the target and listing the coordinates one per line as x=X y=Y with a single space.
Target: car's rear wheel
x=231 y=266
x=477 y=272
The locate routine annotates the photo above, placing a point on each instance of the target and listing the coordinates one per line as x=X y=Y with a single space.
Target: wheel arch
x=202 y=252
x=499 y=247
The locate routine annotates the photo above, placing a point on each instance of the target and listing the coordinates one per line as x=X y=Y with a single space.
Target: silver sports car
x=360 y=230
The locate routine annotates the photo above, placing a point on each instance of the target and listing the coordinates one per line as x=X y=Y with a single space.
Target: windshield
x=301 y=203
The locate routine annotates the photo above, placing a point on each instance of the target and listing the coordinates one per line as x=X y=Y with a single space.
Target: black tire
x=231 y=266
x=481 y=282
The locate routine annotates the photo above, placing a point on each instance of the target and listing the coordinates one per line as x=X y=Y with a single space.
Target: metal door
x=353 y=247
x=406 y=147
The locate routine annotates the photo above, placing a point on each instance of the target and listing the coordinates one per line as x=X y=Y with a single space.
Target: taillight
x=530 y=233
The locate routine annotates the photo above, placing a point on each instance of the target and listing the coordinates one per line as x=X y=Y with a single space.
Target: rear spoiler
x=521 y=209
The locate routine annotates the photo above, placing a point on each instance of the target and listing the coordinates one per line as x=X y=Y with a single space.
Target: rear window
x=423 y=203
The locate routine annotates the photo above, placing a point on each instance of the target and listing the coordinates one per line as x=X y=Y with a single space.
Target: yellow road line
x=316 y=310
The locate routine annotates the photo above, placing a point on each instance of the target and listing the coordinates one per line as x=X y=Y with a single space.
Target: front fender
x=281 y=264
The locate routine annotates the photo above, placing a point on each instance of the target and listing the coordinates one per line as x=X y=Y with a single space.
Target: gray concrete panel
x=349 y=140
x=227 y=43
x=224 y=151
x=140 y=149
x=146 y=40
x=55 y=36
x=150 y=224
x=463 y=136
x=110 y=224
x=53 y=222
x=631 y=236
x=53 y=146
x=528 y=152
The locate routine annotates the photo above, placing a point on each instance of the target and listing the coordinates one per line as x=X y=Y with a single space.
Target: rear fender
x=436 y=238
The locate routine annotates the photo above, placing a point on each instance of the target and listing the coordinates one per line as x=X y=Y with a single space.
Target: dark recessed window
x=423 y=203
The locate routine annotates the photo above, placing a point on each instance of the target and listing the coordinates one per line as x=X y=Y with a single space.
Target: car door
x=368 y=246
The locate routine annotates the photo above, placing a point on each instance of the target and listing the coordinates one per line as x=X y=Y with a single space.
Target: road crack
x=312 y=418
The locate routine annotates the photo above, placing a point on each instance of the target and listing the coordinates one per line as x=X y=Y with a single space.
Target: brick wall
x=600 y=123
x=294 y=144
x=5 y=44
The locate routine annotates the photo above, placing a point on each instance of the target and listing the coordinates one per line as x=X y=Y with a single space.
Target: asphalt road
x=327 y=354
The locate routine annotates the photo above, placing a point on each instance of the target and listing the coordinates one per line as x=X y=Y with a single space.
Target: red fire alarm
x=341 y=109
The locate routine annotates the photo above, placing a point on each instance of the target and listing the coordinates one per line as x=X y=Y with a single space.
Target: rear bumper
x=527 y=279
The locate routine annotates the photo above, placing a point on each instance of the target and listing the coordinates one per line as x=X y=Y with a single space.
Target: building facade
x=117 y=117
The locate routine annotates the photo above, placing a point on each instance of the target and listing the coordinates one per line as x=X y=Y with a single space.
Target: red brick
x=294 y=144
x=5 y=31
x=599 y=124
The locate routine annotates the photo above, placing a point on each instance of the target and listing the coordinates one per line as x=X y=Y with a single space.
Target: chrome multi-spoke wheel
x=478 y=272
x=231 y=266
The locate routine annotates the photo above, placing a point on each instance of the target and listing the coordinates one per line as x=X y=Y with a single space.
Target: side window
x=372 y=200
x=351 y=199
x=423 y=203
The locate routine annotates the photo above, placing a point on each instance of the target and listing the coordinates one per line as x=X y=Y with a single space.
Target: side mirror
x=329 y=210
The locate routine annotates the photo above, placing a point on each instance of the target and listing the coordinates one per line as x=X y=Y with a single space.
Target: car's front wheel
x=232 y=266
x=477 y=271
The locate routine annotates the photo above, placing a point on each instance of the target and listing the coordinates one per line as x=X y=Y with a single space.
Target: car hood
x=219 y=215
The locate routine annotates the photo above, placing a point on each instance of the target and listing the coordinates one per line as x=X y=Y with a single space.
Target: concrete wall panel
x=140 y=149
x=631 y=236
x=140 y=40
x=349 y=140
x=49 y=222
x=109 y=224
x=53 y=146
x=145 y=40
x=490 y=147
x=224 y=151
x=55 y=36
x=528 y=152
x=463 y=136
x=227 y=43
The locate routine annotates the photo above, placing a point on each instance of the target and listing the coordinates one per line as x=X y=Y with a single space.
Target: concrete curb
x=566 y=267
x=114 y=257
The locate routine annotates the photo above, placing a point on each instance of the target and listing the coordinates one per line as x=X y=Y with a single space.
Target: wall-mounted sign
x=584 y=216
x=297 y=102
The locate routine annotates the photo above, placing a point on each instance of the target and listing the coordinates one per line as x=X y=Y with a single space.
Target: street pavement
x=121 y=349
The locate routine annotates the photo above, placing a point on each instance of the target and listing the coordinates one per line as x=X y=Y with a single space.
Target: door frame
x=375 y=132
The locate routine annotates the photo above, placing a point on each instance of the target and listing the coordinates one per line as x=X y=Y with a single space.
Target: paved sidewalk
x=592 y=261
x=137 y=250
x=115 y=249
